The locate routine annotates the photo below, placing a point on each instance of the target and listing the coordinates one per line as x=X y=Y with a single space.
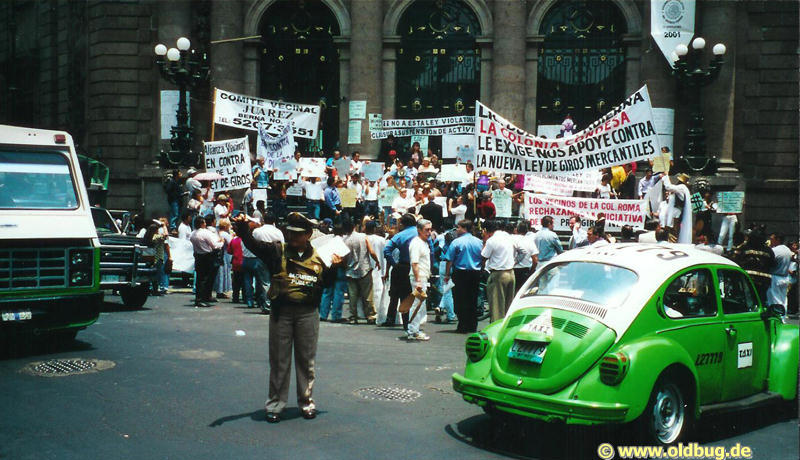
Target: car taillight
x=613 y=367
x=476 y=346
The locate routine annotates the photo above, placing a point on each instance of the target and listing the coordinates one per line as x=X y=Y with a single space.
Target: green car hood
x=576 y=343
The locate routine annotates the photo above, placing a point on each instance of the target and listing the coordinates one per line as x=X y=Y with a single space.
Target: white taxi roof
x=652 y=263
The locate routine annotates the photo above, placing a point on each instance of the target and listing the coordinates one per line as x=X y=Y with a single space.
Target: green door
x=690 y=305
x=746 y=337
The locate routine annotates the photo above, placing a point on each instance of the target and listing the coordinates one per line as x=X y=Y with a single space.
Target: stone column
x=365 y=69
x=389 y=76
x=718 y=20
x=485 y=45
x=227 y=58
x=344 y=91
x=531 y=84
x=250 y=68
x=508 y=60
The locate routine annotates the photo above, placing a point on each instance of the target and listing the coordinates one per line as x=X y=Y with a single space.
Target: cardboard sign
x=231 y=160
x=460 y=147
x=287 y=169
x=354 y=132
x=295 y=190
x=348 y=197
x=248 y=112
x=375 y=122
x=387 y=195
x=358 y=110
x=454 y=173
x=624 y=135
x=617 y=212
x=342 y=166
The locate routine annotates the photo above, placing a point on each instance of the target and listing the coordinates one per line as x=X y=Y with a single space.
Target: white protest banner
x=286 y=169
x=372 y=171
x=671 y=24
x=247 y=112
x=730 y=202
x=617 y=212
x=272 y=148
x=386 y=196
x=231 y=160
x=429 y=122
x=624 y=135
x=562 y=184
x=408 y=132
x=358 y=110
x=312 y=167
x=454 y=173
x=182 y=255
x=294 y=190
x=502 y=202
x=442 y=201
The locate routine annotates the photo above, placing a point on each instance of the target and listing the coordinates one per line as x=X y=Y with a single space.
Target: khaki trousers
x=500 y=292
x=361 y=288
x=294 y=326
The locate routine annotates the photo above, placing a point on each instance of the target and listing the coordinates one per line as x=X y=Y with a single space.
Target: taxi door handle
x=731 y=331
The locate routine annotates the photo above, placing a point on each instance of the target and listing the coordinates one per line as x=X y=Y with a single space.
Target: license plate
x=111 y=278
x=22 y=315
x=528 y=351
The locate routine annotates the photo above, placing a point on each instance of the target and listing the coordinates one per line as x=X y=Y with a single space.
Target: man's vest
x=299 y=280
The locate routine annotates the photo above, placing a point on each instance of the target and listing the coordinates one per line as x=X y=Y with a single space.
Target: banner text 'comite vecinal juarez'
x=248 y=112
x=624 y=135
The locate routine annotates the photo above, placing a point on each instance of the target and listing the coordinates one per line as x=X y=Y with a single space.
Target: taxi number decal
x=708 y=358
x=745 y=358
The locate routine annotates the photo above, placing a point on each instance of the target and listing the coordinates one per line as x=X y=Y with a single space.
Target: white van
x=49 y=250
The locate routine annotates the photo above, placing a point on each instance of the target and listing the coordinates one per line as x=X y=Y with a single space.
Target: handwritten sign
x=231 y=160
x=730 y=202
x=312 y=167
x=348 y=197
x=287 y=169
x=373 y=171
x=502 y=202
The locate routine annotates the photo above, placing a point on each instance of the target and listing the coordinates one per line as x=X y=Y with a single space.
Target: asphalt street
x=178 y=382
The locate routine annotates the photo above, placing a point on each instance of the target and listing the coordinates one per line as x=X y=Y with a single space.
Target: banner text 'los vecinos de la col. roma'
x=624 y=135
x=247 y=112
x=617 y=212
x=231 y=160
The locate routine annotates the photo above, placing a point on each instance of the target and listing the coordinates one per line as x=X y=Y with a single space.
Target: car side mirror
x=777 y=310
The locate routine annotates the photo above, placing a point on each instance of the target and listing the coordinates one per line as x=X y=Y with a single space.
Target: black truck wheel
x=134 y=296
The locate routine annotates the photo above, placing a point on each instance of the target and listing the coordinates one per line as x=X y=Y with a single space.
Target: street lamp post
x=692 y=78
x=184 y=70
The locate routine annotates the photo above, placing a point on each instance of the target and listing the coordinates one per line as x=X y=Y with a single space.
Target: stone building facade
x=88 y=67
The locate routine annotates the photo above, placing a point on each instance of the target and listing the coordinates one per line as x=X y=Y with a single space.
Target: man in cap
x=298 y=276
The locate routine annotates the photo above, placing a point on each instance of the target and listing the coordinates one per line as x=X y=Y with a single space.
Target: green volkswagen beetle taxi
x=653 y=334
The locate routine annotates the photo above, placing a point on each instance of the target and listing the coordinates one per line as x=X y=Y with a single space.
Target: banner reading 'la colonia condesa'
x=248 y=112
x=624 y=135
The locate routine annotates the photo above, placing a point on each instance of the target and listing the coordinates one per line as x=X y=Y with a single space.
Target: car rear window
x=603 y=284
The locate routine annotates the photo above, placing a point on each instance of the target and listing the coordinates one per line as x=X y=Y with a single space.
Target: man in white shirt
x=314 y=190
x=256 y=275
x=419 y=254
x=371 y=191
x=525 y=253
x=404 y=202
x=578 y=233
x=184 y=229
x=647 y=182
x=498 y=257
x=204 y=243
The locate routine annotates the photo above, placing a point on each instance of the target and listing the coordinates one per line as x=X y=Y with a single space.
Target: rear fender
x=649 y=357
x=783 y=361
x=480 y=370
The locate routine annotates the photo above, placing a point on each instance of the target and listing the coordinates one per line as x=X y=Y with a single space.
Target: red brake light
x=60 y=138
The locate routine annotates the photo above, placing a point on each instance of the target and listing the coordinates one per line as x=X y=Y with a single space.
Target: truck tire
x=134 y=296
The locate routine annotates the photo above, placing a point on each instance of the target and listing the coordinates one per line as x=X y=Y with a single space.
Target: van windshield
x=36 y=180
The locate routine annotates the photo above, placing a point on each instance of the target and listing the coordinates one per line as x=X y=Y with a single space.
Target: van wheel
x=668 y=415
x=134 y=296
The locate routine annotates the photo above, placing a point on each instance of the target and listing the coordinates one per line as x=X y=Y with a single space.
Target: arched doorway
x=581 y=68
x=438 y=61
x=300 y=62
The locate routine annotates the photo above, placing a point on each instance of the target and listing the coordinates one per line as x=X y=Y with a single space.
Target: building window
x=581 y=62
x=300 y=63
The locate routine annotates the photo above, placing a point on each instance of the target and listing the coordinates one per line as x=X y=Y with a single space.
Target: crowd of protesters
x=439 y=245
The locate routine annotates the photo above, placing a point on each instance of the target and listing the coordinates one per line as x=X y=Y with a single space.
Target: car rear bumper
x=535 y=405
x=50 y=313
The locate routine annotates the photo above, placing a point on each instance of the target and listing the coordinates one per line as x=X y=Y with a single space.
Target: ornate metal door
x=300 y=63
x=581 y=62
x=438 y=62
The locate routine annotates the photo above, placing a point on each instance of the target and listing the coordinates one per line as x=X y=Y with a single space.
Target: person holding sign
x=299 y=274
x=679 y=217
x=260 y=174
